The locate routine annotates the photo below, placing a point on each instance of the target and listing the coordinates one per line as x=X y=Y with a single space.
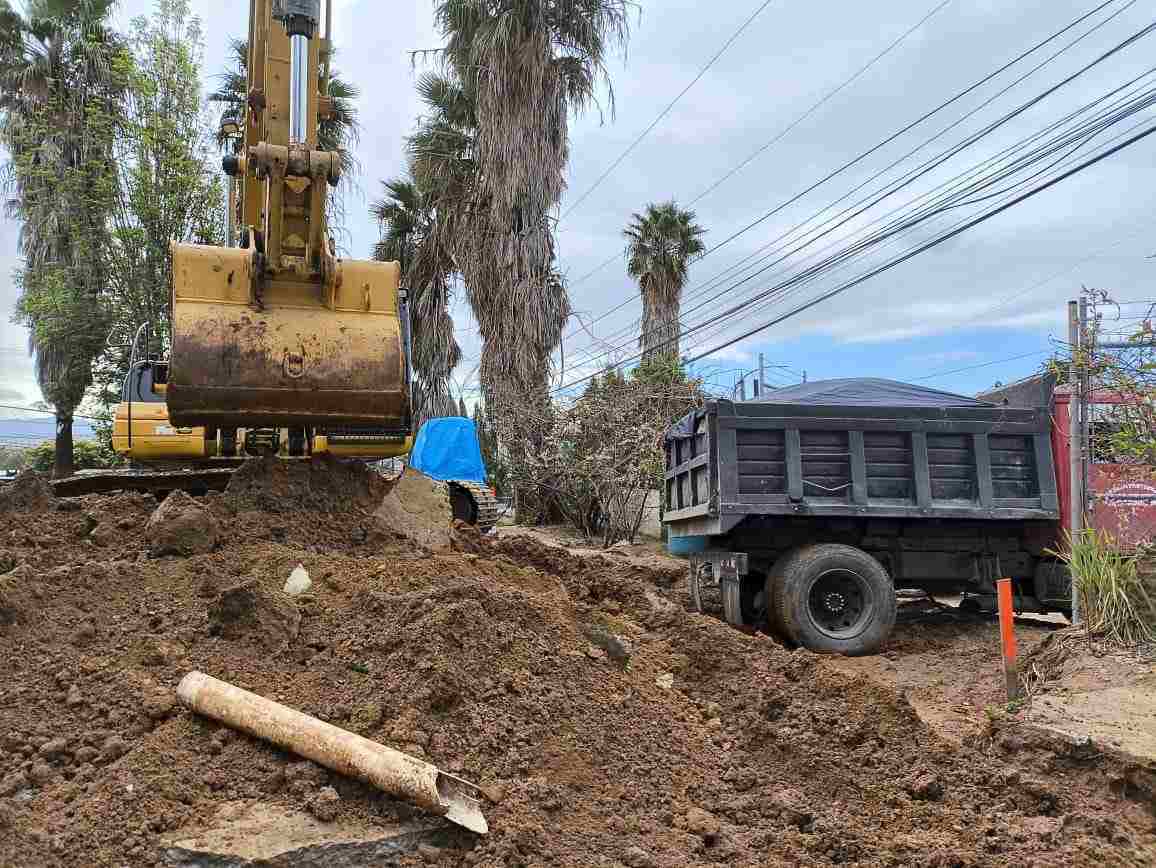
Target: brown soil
x=947 y=664
x=534 y=672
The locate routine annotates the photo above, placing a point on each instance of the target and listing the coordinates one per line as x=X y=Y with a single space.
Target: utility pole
x=1076 y=312
x=755 y=383
x=743 y=388
x=762 y=371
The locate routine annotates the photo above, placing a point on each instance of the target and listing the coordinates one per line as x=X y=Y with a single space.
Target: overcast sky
x=995 y=292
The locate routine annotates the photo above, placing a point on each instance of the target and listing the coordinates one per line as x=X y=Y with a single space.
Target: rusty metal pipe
x=338 y=749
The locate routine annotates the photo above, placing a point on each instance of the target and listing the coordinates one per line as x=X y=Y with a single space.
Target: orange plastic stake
x=1008 y=637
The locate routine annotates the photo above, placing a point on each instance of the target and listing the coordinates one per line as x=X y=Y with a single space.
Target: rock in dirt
x=105 y=534
x=41 y=773
x=323 y=806
x=28 y=492
x=791 y=805
x=159 y=703
x=1042 y=827
x=298 y=581
x=247 y=611
x=702 y=823
x=418 y=509
x=53 y=748
x=113 y=748
x=181 y=526
x=924 y=786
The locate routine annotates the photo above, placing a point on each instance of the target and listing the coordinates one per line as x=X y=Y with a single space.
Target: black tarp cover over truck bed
x=860 y=447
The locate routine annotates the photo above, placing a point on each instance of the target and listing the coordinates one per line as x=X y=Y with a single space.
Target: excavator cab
x=141 y=427
x=279 y=332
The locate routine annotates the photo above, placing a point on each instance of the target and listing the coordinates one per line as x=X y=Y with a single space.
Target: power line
x=41 y=410
x=778 y=137
x=938 y=374
x=945 y=236
x=889 y=233
x=897 y=134
x=927 y=115
x=933 y=243
x=666 y=110
x=823 y=101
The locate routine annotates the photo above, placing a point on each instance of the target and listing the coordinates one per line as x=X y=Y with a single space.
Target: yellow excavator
x=278 y=345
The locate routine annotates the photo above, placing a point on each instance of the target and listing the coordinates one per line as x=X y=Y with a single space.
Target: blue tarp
x=448 y=448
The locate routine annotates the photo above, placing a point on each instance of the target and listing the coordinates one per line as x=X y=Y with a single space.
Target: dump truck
x=812 y=506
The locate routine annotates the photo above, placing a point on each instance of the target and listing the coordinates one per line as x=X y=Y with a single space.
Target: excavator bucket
x=287 y=353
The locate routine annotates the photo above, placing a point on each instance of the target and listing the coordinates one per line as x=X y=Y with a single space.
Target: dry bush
x=597 y=459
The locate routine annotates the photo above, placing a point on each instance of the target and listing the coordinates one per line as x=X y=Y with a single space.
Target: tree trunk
x=660 y=323
x=62 y=465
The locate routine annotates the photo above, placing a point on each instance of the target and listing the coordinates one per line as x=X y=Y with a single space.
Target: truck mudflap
x=720 y=572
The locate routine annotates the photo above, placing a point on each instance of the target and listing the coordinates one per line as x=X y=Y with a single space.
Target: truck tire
x=780 y=569
x=835 y=598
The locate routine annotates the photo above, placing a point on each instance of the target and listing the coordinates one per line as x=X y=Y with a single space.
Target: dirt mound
x=320 y=484
x=28 y=492
x=690 y=744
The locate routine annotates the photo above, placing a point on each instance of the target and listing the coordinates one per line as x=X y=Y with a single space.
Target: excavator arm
x=280 y=332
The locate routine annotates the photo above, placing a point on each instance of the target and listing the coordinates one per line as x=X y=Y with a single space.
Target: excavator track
x=473 y=503
x=101 y=481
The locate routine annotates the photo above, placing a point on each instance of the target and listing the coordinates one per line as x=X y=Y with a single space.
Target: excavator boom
x=279 y=331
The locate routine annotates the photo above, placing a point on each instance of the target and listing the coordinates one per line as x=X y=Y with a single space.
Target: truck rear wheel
x=833 y=598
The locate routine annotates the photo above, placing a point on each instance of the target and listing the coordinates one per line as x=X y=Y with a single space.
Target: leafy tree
x=88 y=455
x=62 y=78
x=661 y=243
x=169 y=189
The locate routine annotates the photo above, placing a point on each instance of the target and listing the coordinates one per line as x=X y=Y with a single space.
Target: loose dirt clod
x=181 y=526
x=418 y=510
x=248 y=612
x=477 y=660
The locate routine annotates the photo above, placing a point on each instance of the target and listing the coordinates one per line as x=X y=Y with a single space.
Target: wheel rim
x=839 y=603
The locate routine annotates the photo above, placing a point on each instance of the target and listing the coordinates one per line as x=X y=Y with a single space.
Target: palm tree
x=661 y=244
x=523 y=66
x=526 y=65
x=408 y=234
x=60 y=86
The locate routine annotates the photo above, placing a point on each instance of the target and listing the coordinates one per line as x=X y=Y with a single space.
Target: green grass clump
x=1117 y=587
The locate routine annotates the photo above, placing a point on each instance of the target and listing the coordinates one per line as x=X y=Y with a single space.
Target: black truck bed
x=730 y=460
